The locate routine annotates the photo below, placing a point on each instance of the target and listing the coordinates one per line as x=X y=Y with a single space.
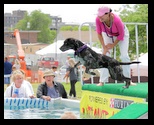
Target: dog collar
x=80 y=49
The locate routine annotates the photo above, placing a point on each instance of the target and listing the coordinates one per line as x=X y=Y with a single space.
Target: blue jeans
x=6 y=80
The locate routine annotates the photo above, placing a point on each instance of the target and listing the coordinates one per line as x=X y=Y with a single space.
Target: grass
x=78 y=87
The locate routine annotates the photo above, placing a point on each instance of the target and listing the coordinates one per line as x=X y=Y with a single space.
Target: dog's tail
x=128 y=63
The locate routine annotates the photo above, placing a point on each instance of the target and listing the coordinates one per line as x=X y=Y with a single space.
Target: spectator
x=67 y=66
x=18 y=88
x=50 y=88
x=17 y=63
x=13 y=68
x=7 y=71
x=68 y=115
x=54 y=69
x=73 y=77
x=28 y=63
x=25 y=81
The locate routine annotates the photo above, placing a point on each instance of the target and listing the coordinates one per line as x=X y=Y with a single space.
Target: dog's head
x=71 y=43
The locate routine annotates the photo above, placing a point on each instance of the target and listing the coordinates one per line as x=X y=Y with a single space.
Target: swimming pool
x=39 y=109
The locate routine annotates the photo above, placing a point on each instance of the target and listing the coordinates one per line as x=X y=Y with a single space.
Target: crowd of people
x=19 y=87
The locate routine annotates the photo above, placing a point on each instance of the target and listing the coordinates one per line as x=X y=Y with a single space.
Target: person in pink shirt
x=111 y=31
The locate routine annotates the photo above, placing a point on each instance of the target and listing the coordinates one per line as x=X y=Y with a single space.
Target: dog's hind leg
x=92 y=73
x=88 y=71
x=127 y=83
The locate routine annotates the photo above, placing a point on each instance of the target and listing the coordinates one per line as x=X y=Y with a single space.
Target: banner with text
x=102 y=105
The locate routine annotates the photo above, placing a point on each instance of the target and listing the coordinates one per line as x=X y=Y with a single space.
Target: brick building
x=10 y=20
x=31 y=45
x=26 y=37
x=28 y=40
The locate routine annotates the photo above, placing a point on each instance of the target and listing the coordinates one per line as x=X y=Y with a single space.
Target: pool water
x=36 y=113
x=53 y=111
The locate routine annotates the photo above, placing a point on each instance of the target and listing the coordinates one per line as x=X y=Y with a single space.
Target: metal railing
x=90 y=40
x=136 y=41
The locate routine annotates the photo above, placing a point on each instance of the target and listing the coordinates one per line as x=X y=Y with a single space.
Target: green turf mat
x=132 y=111
x=140 y=90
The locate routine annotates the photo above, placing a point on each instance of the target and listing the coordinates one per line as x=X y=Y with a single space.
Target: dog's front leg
x=88 y=71
x=78 y=63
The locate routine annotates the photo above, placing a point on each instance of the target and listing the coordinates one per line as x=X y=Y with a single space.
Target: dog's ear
x=79 y=43
x=76 y=42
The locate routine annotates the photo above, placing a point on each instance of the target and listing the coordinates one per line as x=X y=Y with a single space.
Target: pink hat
x=102 y=10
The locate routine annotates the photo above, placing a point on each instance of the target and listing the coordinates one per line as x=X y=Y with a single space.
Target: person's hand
x=110 y=45
x=32 y=96
x=66 y=75
x=105 y=50
x=48 y=98
x=14 y=95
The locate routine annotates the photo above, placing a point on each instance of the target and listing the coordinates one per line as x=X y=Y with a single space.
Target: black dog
x=92 y=60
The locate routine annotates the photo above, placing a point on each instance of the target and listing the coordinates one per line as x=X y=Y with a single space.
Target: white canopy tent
x=53 y=48
x=54 y=51
x=143 y=66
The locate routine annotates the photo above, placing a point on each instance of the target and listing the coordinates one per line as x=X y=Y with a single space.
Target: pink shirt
x=117 y=27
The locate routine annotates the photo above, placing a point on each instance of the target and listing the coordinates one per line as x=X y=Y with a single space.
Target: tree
x=74 y=28
x=137 y=13
x=38 y=21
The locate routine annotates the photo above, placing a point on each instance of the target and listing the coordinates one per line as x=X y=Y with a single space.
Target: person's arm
x=67 y=74
x=28 y=92
x=39 y=93
x=100 y=37
x=99 y=31
x=120 y=27
x=63 y=91
x=7 y=93
x=112 y=45
x=105 y=48
x=30 y=86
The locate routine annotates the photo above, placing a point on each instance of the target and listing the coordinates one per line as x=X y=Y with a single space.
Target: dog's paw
x=92 y=73
x=133 y=84
x=125 y=87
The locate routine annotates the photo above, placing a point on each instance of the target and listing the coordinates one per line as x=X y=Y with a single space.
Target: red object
x=47 y=62
x=21 y=54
